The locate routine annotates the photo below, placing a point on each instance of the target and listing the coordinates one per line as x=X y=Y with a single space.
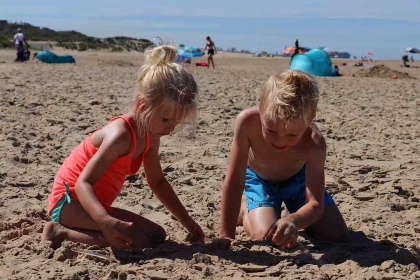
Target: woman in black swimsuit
x=211 y=51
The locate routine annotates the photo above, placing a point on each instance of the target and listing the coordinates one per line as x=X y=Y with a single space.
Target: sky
x=384 y=27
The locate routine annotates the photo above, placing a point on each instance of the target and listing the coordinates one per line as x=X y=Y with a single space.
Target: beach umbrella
x=412 y=50
x=190 y=52
x=370 y=54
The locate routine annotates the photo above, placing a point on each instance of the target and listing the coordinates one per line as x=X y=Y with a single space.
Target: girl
x=91 y=178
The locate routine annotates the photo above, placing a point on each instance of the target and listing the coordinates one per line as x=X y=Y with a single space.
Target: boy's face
x=282 y=135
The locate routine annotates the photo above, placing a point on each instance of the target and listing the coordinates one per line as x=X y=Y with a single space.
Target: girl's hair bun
x=160 y=55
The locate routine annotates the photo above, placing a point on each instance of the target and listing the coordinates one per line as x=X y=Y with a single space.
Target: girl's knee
x=158 y=236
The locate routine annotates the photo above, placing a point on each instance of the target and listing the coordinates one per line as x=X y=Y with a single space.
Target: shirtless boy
x=278 y=155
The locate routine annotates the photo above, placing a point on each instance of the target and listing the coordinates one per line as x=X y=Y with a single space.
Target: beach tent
x=186 y=54
x=315 y=61
x=50 y=57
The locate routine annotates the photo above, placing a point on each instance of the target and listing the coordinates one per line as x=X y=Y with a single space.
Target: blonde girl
x=91 y=178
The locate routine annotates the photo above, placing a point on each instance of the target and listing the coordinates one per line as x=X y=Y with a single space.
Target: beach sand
x=372 y=129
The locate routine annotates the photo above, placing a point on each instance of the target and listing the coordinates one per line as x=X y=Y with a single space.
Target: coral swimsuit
x=109 y=186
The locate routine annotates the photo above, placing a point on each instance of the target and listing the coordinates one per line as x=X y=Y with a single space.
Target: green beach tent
x=50 y=57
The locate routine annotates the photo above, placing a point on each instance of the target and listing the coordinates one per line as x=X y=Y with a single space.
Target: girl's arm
x=114 y=144
x=163 y=190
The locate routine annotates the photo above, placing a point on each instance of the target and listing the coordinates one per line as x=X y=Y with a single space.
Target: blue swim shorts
x=262 y=193
x=56 y=212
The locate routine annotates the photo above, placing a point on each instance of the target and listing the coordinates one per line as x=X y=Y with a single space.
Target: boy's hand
x=224 y=243
x=116 y=232
x=283 y=233
x=196 y=234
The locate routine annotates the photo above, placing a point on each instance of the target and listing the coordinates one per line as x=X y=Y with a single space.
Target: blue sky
x=358 y=26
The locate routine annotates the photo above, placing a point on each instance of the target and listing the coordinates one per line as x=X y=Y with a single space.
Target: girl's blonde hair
x=164 y=86
x=290 y=95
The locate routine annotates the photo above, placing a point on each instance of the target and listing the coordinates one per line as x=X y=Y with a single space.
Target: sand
x=371 y=125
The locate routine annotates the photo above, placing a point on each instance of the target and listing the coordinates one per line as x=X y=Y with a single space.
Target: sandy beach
x=372 y=129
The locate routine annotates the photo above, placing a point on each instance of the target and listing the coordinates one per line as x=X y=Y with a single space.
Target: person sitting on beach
x=278 y=155
x=92 y=177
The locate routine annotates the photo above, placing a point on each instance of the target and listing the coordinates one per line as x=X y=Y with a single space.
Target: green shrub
x=82 y=47
x=4 y=43
x=116 y=49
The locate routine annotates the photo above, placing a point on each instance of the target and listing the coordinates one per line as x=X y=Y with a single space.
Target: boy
x=278 y=154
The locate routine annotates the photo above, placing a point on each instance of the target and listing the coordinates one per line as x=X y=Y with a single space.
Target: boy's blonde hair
x=164 y=86
x=290 y=95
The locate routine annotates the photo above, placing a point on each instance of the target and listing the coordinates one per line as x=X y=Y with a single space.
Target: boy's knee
x=259 y=233
x=339 y=235
x=342 y=236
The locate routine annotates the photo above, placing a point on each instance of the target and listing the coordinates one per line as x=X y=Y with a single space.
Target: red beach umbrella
x=370 y=53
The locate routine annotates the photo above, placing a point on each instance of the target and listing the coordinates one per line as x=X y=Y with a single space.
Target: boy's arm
x=284 y=231
x=235 y=179
x=315 y=184
x=164 y=192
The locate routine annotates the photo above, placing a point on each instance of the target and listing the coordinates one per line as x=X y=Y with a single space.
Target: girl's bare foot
x=55 y=233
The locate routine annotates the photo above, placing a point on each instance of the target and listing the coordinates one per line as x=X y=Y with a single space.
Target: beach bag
x=26 y=54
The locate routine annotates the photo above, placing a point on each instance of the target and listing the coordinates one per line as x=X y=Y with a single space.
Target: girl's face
x=282 y=135
x=163 y=123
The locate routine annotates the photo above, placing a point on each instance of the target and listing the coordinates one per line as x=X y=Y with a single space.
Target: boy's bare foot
x=53 y=232
x=284 y=213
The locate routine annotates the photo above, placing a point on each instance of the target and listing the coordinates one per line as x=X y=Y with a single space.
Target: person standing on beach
x=211 y=51
x=296 y=49
x=91 y=178
x=278 y=155
x=20 y=40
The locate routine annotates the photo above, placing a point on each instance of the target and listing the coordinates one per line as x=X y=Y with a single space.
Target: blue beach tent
x=316 y=61
x=50 y=57
x=186 y=54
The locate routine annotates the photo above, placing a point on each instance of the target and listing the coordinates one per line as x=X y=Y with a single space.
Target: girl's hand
x=116 y=232
x=195 y=232
x=283 y=233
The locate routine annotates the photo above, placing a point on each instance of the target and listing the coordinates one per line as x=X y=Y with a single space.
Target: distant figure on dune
x=92 y=176
x=20 y=42
x=405 y=60
x=278 y=156
x=211 y=47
